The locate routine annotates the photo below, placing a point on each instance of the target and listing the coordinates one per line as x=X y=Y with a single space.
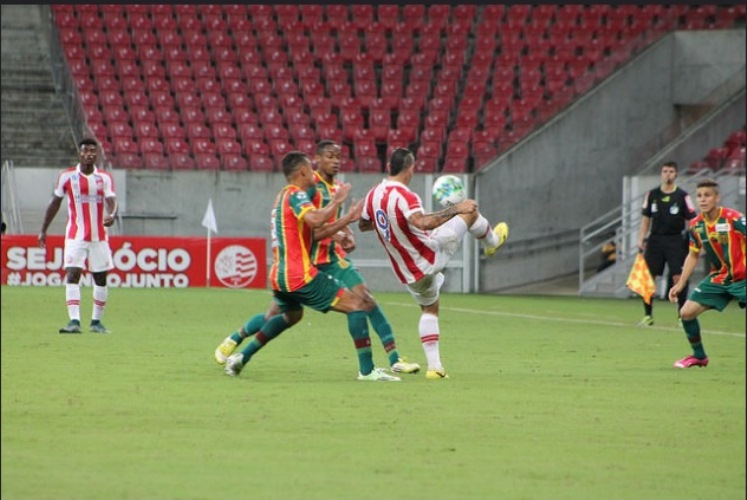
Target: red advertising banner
x=143 y=262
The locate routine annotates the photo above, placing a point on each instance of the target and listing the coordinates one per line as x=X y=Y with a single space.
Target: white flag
x=209 y=220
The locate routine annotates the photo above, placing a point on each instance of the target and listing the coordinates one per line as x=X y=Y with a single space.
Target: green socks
x=250 y=328
x=358 y=328
x=384 y=331
x=692 y=329
x=271 y=329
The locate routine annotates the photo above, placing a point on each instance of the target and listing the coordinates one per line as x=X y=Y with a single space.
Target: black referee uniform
x=667 y=241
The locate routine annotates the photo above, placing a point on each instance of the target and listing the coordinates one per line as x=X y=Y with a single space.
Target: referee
x=666 y=210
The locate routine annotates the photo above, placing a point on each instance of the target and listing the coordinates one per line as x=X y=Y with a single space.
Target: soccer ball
x=448 y=190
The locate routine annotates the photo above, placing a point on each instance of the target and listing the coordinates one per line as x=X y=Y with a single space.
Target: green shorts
x=320 y=294
x=717 y=296
x=345 y=272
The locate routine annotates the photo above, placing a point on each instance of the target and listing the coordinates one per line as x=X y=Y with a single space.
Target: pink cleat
x=691 y=361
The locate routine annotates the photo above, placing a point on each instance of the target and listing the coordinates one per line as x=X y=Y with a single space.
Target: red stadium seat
x=234 y=162
x=145 y=129
x=218 y=115
x=251 y=132
x=156 y=161
x=164 y=114
x=119 y=129
x=127 y=160
x=206 y=161
x=124 y=144
x=256 y=146
x=261 y=163
x=429 y=149
x=198 y=130
x=426 y=165
x=223 y=130
x=202 y=145
x=176 y=145
x=227 y=145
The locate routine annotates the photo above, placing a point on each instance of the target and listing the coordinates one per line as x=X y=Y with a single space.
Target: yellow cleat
x=402 y=366
x=501 y=231
x=225 y=350
x=436 y=374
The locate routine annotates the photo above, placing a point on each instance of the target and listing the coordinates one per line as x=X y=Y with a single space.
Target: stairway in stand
x=35 y=126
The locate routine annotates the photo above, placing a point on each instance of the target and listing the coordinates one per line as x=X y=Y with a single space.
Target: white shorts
x=426 y=290
x=448 y=238
x=98 y=253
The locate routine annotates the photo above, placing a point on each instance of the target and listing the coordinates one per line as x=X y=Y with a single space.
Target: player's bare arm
x=687 y=270
x=316 y=218
x=347 y=240
x=643 y=231
x=330 y=229
x=433 y=220
x=111 y=209
x=52 y=209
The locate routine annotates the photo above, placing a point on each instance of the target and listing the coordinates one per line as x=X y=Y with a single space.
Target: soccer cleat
x=224 y=350
x=98 y=327
x=378 y=374
x=646 y=321
x=501 y=231
x=234 y=365
x=691 y=361
x=72 y=327
x=402 y=366
x=436 y=374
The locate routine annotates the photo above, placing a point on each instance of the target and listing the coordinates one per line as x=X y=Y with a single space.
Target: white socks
x=72 y=299
x=481 y=230
x=100 y=293
x=429 y=332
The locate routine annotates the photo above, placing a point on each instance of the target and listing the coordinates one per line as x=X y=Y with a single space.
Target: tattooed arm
x=426 y=222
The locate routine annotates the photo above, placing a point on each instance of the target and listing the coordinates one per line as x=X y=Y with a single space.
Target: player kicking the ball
x=420 y=245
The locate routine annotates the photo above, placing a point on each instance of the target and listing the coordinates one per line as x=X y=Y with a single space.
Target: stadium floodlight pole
x=209 y=222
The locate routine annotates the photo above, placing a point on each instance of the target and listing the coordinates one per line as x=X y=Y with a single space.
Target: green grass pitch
x=549 y=398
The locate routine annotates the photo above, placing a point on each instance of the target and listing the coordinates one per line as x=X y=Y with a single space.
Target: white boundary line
x=565 y=320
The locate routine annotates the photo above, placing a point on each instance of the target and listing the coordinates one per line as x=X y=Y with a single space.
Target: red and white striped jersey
x=85 y=202
x=411 y=250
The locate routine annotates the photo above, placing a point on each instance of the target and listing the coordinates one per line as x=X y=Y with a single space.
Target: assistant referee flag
x=640 y=280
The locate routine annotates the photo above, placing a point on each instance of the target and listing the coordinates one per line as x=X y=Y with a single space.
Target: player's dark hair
x=87 y=142
x=323 y=144
x=672 y=164
x=292 y=161
x=707 y=183
x=401 y=159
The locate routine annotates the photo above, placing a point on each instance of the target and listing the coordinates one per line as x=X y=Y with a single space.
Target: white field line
x=556 y=319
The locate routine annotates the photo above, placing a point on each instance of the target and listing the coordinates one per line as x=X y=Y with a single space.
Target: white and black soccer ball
x=448 y=190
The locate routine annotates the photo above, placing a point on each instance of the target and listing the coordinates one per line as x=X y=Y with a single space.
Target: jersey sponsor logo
x=383 y=222
x=723 y=227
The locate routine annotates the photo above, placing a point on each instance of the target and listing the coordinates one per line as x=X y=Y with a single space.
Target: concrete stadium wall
x=570 y=171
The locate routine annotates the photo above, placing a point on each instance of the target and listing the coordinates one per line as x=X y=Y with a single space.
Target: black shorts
x=665 y=249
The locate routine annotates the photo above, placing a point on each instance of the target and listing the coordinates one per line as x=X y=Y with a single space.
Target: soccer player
x=420 y=245
x=91 y=208
x=720 y=231
x=666 y=211
x=332 y=241
x=296 y=281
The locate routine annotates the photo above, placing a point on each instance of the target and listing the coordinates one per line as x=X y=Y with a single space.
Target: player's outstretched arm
x=329 y=229
x=430 y=221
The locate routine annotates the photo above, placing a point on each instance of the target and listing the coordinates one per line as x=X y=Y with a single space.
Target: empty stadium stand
x=235 y=87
